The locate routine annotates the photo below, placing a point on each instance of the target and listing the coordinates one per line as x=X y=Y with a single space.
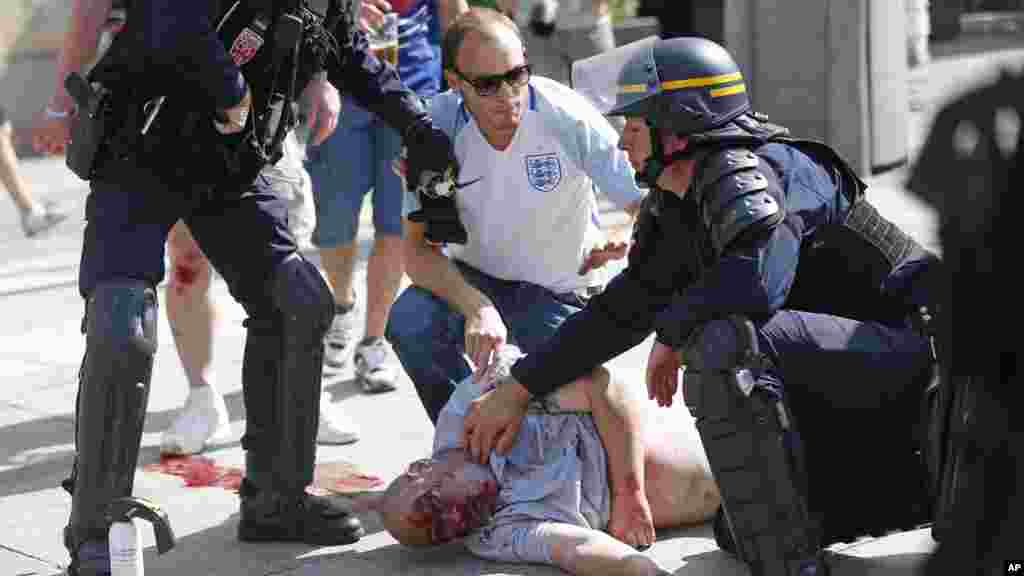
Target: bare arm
x=81 y=37
x=449 y=10
x=431 y=270
x=619 y=413
x=80 y=42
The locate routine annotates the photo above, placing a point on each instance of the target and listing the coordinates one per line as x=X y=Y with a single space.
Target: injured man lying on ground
x=552 y=499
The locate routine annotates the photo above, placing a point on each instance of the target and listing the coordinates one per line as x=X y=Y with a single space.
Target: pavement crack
x=30 y=556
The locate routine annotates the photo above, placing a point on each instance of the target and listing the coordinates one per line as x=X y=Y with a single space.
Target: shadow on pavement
x=716 y=562
x=39 y=453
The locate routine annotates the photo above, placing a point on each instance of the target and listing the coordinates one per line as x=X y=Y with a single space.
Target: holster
x=90 y=126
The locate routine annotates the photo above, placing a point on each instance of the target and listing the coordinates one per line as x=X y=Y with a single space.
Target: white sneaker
x=338 y=340
x=204 y=419
x=334 y=427
x=41 y=218
x=375 y=372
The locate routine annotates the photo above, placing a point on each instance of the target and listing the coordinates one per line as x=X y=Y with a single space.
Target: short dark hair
x=477 y=19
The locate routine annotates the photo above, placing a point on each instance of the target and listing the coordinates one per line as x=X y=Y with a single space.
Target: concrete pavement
x=41 y=347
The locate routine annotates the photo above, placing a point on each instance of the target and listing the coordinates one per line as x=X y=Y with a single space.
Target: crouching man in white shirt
x=531 y=152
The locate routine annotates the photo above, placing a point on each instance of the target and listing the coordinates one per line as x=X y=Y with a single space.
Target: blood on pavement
x=199 y=471
x=337 y=477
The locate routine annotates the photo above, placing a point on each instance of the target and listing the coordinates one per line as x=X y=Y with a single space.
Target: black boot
x=281 y=375
x=267 y=516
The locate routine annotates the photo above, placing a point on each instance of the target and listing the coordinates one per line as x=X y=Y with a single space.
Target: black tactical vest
x=861 y=266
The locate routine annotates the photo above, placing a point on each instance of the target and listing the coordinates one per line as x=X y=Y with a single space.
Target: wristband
x=52 y=114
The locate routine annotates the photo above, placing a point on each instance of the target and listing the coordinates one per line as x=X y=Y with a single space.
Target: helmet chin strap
x=657 y=162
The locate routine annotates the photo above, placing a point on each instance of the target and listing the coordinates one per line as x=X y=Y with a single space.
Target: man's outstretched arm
x=619 y=413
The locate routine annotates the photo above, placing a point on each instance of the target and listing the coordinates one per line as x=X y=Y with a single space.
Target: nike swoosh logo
x=461 y=185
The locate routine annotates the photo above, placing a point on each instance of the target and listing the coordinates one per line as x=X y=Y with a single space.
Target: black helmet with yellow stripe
x=681 y=85
x=688 y=86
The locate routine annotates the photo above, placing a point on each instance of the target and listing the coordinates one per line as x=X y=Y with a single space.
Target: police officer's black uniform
x=788 y=295
x=176 y=63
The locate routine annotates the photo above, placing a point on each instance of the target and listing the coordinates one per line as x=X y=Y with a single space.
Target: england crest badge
x=544 y=171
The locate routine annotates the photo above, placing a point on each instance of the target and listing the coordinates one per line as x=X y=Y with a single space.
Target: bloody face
x=450 y=495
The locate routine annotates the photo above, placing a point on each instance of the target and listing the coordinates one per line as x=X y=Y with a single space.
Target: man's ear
x=673 y=143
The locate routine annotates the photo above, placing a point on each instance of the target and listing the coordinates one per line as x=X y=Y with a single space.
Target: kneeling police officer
x=792 y=302
x=178 y=120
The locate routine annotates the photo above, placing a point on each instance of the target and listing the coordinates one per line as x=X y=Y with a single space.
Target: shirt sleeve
x=179 y=32
x=607 y=165
x=591 y=138
x=752 y=279
x=449 y=426
x=375 y=84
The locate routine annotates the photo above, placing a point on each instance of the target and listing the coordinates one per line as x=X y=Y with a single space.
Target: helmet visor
x=619 y=82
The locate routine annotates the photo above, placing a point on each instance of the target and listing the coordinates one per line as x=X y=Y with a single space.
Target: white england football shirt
x=531 y=211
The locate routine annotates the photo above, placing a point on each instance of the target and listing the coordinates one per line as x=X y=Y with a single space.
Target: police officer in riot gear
x=190 y=103
x=762 y=268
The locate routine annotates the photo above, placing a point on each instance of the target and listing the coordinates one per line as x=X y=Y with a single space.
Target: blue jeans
x=429 y=336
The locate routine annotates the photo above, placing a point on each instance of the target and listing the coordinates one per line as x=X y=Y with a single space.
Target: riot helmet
x=687 y=85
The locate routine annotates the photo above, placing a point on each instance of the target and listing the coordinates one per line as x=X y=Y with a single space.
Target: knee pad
x=302 y=297
x=281 y=379
x=121 y=341
x=750 y=440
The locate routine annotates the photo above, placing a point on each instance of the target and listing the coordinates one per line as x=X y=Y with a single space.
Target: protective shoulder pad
x=737 y=192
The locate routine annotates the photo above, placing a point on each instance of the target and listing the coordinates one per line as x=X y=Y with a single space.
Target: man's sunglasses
x=490 y=85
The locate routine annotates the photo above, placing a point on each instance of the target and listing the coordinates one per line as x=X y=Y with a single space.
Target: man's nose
x=506 y=91
x=625 y=141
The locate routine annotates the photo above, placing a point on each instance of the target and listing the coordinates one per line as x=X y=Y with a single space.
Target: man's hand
x=323 y=108
x=233 y=120
x=662 y=374
x=485 y=332
x=493 y=420
x=613 y=249
x=371 y=14
x=50 y=134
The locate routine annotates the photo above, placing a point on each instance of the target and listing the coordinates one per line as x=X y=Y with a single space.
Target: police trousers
x=854 y=390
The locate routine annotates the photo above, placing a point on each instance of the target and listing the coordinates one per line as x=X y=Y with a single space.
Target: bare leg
x=9 y=176
x=589 y=552
x=190 y=311
x=339 y=263
x=192 y=317
x=619 y=415
x=654 y=448
x=383 y=278
x=680 y=487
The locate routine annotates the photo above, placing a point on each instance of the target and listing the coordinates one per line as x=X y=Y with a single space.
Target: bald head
x=476 y=28
x=438 y=500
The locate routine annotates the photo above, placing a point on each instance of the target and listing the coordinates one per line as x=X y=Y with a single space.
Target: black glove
x=542 y=17
x=430 y=169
